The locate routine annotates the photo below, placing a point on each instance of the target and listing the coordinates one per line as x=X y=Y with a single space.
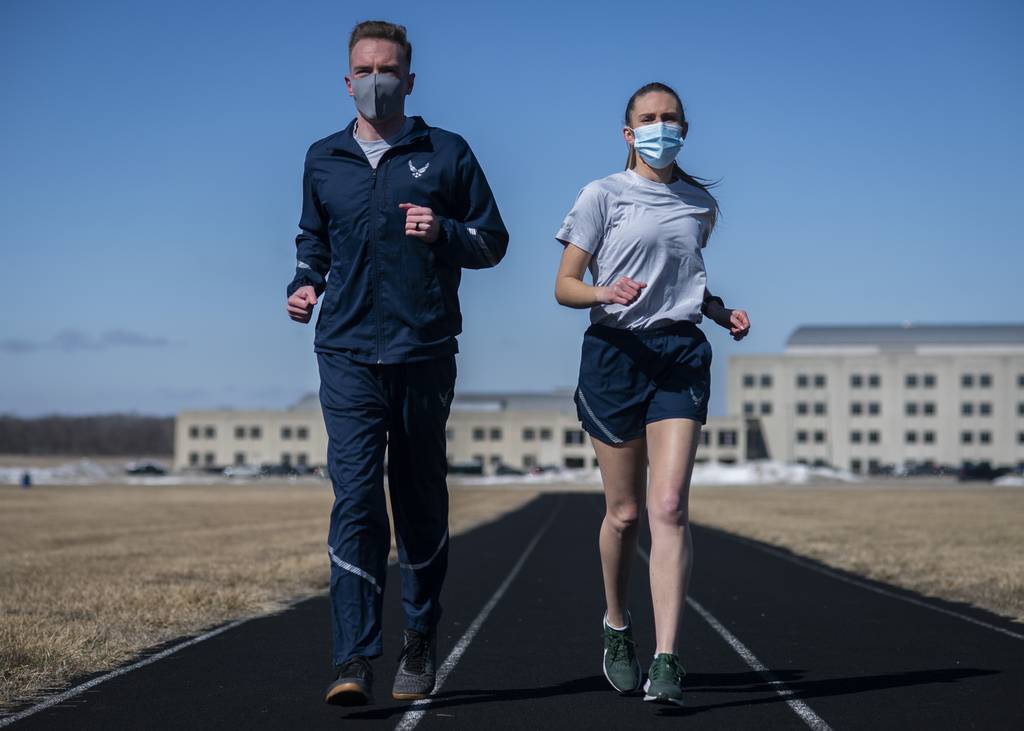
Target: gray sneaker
x=621 y=667
x=416 y=667
x=665 y=680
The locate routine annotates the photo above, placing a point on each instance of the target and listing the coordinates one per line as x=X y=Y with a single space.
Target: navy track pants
x=402 y=410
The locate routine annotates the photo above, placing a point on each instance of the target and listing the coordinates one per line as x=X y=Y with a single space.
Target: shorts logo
x=445 y=397
x=418 y=172
x=698 y=396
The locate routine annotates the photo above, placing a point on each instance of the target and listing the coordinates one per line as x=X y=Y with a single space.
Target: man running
x=392 y=211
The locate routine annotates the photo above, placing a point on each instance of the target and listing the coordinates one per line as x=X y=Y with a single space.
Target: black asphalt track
x=856 y=658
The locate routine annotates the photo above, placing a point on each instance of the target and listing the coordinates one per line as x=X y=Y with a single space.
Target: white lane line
x=419 y=708
x=79 y=689
x=865 y=585
x=801 y=709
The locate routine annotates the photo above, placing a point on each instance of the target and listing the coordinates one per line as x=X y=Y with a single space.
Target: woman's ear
x=627 y=134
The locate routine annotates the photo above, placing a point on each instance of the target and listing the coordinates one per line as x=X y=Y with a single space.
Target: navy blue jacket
x=392 y=298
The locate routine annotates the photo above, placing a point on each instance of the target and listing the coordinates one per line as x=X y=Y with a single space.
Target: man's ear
x=684 y=128
x=410 y=84
x=348 y=85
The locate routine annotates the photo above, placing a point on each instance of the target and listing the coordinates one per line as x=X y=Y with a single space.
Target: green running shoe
x=620 y=664
x=665 y=680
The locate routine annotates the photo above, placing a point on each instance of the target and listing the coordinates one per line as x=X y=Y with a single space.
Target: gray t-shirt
x=375 y=149
x=650 y=232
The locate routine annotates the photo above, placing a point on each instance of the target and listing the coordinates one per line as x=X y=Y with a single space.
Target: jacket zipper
x=373 y=263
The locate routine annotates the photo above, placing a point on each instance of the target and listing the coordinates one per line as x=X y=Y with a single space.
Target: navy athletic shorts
x=629 y=378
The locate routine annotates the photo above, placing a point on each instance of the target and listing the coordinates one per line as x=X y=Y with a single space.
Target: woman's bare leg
x=672 y=445
x=624 y=474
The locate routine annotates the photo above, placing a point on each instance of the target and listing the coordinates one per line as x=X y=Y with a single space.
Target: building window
x=575 y=463
x=874 y=408
x=748 y=380
x=929 y=437
x=966 y=437
x=874 y=437
x=705 y=438
x=302 y=459
x=929 y=408
x=985 y=380
x=856 y=408
x=856 y=381
x=193 y=432
x=1020 y=408
x=911 y=380
x=801 y=408
x=929 y=380
x=529 y=461
x=1020 y=380
x=910 y=408
x=855 y=437
x=286 y=432
x=985 y=437
x=874 y=380
x=239 y=458
x=239 y=432
x=819 y=408
x=748 y=407
x=529 y=434
x=478 y=458
x=766 y=380
x=985 y=408
x=820 y=463
x=819 y=437
x=874 y=466
x=193 y=458
x=727 y=438
x=209 y=459
x=766 y=408
x=910 y=437
x=573 y=436
x=966 y=380
x=495 y=434
x=856 y=465
x=478 y=434
x=210 y=432
x=1020 y=437
x=801 y=437
x=255 y=432
x=495 y=460
x=449 y=434
x=966 y=408
x=802 y=380
x=819 y=381
x=302 y=432
x=545 y=435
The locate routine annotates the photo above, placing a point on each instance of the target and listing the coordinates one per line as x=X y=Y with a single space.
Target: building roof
x=309 y=402
x=907 y=336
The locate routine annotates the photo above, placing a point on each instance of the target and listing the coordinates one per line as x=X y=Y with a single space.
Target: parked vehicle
x=465 y=468
x=980 y=471
x=244 y=471
x=504 y=469
x=278 y=470
x=145 y=468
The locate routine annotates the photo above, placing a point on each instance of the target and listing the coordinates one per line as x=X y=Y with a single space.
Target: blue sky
x=869 y=153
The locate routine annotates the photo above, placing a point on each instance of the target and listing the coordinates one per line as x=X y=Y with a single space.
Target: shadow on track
x=745 y=682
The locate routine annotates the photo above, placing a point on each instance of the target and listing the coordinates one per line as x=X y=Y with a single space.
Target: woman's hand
x=625 y=291
x=736 y=322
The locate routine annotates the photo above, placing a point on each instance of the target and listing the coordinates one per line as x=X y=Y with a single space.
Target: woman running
x=645 y=372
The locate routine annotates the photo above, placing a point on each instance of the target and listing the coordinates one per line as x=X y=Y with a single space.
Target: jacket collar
x=346 y=141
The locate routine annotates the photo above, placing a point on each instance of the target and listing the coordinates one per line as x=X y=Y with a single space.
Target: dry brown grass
x=92 y=575
x=960 y=543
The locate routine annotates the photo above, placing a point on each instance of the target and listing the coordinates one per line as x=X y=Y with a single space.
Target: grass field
x=91 y=575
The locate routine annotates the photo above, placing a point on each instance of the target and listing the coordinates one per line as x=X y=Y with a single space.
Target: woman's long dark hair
x=677 y=172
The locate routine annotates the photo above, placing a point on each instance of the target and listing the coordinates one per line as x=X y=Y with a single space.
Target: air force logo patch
x=417 y=172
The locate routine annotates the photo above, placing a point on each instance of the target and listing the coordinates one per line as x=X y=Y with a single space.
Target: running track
x=770 y=641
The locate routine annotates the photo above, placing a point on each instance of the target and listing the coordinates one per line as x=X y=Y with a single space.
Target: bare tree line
x=109 y=434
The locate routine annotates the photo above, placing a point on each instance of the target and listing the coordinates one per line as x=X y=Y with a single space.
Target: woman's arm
x=572 y=291
x=735 y=321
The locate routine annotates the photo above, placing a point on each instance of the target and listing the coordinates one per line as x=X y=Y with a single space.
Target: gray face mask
x=378 y=96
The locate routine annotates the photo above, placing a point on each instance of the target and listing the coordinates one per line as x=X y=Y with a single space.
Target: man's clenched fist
x=301 y=303
x=420 y=222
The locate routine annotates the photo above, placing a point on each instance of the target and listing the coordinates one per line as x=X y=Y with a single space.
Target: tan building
x=869 y=397
x=521 y=431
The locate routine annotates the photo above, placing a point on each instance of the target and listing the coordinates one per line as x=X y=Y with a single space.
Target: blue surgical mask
x=658 y=144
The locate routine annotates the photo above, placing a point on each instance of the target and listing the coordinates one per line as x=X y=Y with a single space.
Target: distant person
x=645 y=372
x=26 y=479
x=392 y=211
